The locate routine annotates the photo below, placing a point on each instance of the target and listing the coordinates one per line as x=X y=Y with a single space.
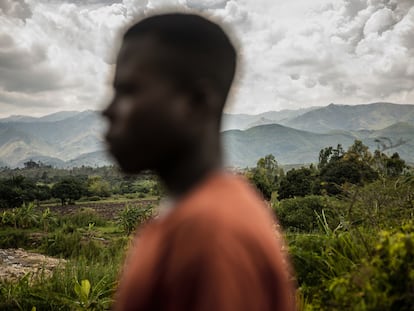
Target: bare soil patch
x=16 y=263
x=106 y=210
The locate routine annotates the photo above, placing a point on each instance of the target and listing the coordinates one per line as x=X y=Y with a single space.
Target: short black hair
x=200 y=48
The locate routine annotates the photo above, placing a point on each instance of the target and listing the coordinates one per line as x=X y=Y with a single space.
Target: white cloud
x=380 y=21
x=57 y=55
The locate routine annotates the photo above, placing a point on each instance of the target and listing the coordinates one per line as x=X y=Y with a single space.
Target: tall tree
x=265 y=175
x=297 y=182
x=68 y=190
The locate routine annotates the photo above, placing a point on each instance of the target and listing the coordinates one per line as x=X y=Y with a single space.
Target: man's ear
x=205 y=97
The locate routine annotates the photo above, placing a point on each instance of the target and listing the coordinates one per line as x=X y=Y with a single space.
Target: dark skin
x=156 y=125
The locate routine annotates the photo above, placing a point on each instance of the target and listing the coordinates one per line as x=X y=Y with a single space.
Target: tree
x=338 y=167
x=16 y=190
x=31 y=164
x=301 y=214
x=390 y=167
x=358 y=152
x=265 y=175
x=9 y=196
x=297 y=183
x=68 y=190
x=329 y=154
x=336 y=174
x=394 y=165
x=42 y=192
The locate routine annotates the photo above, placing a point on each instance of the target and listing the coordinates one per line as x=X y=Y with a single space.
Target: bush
x=297 y=182
x=382 y=204
x=383 y=282
x=13 y=239
x=83 y=218
x=72 y=245
x=301 y=214
x=131 y=217
x=21 y=217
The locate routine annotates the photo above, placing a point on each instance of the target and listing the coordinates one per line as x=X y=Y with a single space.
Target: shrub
x=21 y=217
x=71 y=245
x=13 y=239
x=301 y=214
x=83 y=218
x=48 y=220
x=383 y=282
x=297 y=182
x=383 y=203
x=131 y=217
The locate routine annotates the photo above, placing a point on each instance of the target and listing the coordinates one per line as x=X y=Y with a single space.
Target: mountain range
x=72 y=138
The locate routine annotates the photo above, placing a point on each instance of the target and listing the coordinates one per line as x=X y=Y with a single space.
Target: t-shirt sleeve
x=212 y=267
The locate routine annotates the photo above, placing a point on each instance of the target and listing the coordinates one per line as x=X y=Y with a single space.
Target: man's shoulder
x=223 y=192
x=223 y=203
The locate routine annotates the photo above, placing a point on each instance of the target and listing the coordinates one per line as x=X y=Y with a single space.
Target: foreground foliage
x=93 y=247
x=349 y=225
x=384 y=281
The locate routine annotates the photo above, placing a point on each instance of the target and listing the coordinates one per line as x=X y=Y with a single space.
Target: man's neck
x=185 y=173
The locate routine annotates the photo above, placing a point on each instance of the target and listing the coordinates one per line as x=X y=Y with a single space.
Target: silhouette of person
x=216 y=249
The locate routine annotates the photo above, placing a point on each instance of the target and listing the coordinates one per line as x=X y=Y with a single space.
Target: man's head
x=173 y=75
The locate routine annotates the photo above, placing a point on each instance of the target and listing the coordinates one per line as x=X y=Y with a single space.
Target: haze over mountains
x=71 y=138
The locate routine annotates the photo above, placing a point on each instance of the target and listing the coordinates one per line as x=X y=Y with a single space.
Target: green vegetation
x=348 y=222
x=93 y=247
x=132 y=217
x=349 y=228
x=46 y=185
x=266 y=175
x=38 y=213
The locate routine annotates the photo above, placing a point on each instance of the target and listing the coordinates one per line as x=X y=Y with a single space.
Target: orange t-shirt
x=217 y=250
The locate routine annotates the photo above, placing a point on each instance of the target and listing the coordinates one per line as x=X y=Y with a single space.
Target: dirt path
x=15 y=263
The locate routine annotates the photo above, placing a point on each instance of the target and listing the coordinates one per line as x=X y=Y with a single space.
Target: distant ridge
x=371 y=116
x=246 y=121
x=53 y=117
x=288 y=145
x=56 y=138
x=72 y=138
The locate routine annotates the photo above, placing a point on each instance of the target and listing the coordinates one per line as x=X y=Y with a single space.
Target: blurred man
x=215 y=249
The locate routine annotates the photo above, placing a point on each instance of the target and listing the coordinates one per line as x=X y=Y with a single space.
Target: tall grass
x=58 y=291
x=92 y=260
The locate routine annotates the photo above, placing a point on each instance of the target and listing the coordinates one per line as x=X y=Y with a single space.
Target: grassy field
x=350 y=252
x=92 y=245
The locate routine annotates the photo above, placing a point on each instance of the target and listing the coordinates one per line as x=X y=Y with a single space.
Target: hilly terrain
x=290 y=146
x=71 y=138
x=374 y=116
x=245 y=121
x=51 y=139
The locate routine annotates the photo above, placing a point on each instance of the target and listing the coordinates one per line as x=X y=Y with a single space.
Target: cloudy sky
x=59 y=55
